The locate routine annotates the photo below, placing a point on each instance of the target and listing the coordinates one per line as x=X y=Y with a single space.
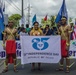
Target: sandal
x=67 y=69
x=5 y=70
x=15 y=70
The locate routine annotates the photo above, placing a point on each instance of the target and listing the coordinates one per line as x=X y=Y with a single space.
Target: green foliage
x=15 y=18
x=50 y=21
x=70 y=20
x=43 y=23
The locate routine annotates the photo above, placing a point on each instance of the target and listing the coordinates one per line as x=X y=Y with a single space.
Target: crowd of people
x=10 y=34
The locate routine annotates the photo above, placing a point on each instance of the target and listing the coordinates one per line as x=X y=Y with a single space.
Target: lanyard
x=63 y=32
x=11 y=32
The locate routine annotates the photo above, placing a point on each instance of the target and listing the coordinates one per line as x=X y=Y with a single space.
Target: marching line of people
x=10 y=34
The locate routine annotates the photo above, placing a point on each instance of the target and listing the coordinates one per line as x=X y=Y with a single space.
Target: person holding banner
x=36 y=31
x=64 y=31
x=9 y=39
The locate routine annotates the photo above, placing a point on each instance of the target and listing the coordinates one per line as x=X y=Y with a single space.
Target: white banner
x=72 y=49
x=18 y=50
x=43 y=49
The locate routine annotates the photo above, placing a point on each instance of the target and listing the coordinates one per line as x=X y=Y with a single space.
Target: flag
x=75 y=21
x=45 y=18
x=73 y=34
x=62 y=12
x=1 y=16
x=74 y=31
x=1 y=23
x=2 y=5
x=34 y=19
x=3 y=8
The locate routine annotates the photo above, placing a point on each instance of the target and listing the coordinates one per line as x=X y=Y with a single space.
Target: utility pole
x=23 y=22
x=22 y=9
x=29 y=13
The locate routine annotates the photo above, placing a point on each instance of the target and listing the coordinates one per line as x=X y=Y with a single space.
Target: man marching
x=64 y=31
x=9 y=39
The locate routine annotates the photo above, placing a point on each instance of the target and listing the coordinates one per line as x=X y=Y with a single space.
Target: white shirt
x=23 y=34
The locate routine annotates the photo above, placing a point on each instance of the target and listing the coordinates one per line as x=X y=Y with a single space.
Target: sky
x=40 y=7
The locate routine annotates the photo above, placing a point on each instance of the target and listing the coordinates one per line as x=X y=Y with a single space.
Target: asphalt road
x=46 y=69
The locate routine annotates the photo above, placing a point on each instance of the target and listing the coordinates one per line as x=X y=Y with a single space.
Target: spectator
x=27 y=28
x=47 y=31
x=23 y=32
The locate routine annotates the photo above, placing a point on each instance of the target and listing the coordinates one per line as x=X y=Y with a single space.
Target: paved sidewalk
x=1 y=65
x=46 y=69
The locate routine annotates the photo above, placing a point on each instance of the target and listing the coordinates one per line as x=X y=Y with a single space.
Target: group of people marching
x=9 y=42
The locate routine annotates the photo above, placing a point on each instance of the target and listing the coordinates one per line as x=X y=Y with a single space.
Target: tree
x=43 y=23
x=70 y=19
x=52 y=20
x=15 y=18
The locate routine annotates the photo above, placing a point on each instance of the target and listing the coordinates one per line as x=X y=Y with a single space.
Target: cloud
x=41 y=7
x=10 y=8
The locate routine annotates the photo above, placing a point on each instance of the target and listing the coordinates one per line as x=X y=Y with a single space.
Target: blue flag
x=4 y=7
x=1 y=23
x=62 y=12
x=34 y=19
